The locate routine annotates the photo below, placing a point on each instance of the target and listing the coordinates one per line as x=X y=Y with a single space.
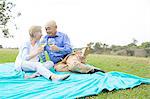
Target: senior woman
x=28 y=57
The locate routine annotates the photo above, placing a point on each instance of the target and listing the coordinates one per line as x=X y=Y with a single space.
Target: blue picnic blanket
x=14 y=86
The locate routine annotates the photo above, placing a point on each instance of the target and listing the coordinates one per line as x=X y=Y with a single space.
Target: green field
x=132 y=65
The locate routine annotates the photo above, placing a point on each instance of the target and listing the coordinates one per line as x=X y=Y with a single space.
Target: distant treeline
x=132 y=49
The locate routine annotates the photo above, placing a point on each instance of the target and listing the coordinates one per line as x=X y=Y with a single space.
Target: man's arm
x=67 y=48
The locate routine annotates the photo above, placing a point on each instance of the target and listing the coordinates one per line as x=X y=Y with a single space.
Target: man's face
x=51 y=29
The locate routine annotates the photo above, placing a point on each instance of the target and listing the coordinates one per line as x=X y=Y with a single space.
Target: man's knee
x=73 y=66
x=61 y=67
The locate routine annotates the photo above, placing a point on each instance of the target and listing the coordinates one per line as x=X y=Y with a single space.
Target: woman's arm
x=26 y=55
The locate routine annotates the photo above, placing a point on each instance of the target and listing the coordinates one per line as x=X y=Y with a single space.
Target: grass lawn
x=132 y=65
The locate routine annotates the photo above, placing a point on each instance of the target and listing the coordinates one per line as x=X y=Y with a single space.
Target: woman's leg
x=48 y=65
x=37 y=66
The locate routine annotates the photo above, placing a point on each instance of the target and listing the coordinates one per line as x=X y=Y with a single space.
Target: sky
x=107 y=21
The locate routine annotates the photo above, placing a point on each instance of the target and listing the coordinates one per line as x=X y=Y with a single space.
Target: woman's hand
x=35 y=52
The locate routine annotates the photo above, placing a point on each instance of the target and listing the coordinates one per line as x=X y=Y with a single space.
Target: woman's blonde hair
x=34 y=29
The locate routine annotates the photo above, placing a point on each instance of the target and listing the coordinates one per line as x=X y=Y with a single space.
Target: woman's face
x=37 y=35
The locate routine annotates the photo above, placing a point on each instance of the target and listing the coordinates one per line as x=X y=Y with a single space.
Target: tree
x=1 y=46
x=133 y=44
x=135 y=41
x=90 y=44
x=6 y=16
x=97 y=46
x=104 y=46
x=116 y=48
x=145 y=45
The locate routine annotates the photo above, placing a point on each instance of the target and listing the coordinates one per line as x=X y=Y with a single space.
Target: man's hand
x=40 y=49
x=54 y=48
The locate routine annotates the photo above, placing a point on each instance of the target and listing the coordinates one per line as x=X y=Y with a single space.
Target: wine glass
x=51 y=41
x=42 y=42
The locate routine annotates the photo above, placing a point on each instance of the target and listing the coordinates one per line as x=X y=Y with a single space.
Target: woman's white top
x=24 y=52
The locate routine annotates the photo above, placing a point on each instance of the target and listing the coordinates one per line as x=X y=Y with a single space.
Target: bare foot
x=29 y=76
